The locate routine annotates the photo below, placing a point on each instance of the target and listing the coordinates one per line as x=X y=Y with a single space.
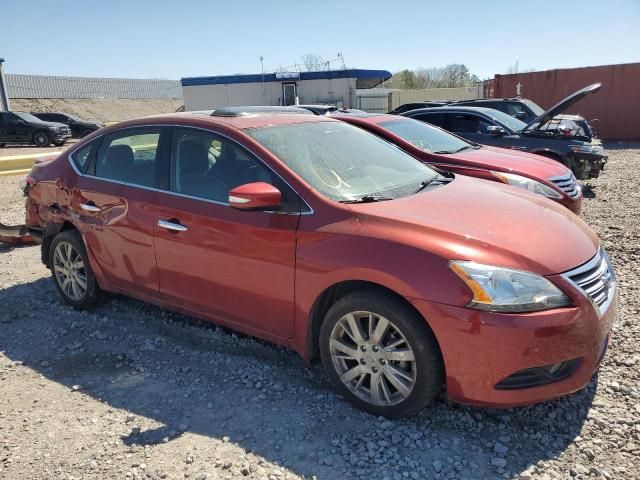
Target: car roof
x=453 y=108
x=255 y=109
x=240 y=122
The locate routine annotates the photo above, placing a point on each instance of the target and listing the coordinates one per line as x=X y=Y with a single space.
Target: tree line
x=449 y=76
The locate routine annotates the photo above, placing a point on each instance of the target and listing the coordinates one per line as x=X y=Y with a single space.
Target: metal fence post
x=4 y=94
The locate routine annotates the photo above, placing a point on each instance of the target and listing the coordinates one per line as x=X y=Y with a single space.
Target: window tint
x=437 y=119
x=516 y=110
x=129 y=157
x=465 y=123
x=206 y=166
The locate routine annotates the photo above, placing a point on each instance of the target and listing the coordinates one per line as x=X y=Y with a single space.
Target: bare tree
x=313 y=62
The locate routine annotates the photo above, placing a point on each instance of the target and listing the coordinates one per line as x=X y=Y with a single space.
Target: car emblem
x=606 y=280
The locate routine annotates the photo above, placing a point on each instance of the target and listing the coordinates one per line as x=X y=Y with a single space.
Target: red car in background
x=317 y=235
x=446 y=151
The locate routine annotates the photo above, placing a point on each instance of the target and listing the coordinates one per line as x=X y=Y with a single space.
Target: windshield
x=507 y=120
x=27 y=117
x=344 y=162
x=426 y=137
x=534 y=107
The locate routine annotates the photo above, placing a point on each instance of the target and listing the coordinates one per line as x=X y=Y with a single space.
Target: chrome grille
x=596 y=280
x=567 y=183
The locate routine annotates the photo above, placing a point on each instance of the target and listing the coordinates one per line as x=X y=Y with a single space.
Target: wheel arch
x=50 y=231
x=332 y=294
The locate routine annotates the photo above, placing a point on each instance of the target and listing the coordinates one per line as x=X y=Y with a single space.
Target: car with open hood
x=528 y=112
x=446 y=151
x=543 y=136
x=319 y=236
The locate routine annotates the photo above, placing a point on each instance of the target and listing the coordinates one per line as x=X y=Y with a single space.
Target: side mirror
x=496 y=130
x=20 y=122
x=255 y=196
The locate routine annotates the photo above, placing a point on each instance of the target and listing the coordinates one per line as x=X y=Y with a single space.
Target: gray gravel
x=133 y=391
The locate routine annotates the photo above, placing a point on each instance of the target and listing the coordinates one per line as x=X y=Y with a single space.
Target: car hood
x=485 y=222
x=506 y=160
x=562 y=105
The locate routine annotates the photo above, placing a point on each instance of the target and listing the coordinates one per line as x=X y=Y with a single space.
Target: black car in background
x=492 y=127
x=24 y=128
x=79 y=128
x=415 y=105
x=527 y=111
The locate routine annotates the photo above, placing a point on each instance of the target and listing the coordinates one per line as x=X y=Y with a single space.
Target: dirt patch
x=99 y=110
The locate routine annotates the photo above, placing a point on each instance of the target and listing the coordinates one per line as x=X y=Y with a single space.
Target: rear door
x=114 y=199
x=237 y=266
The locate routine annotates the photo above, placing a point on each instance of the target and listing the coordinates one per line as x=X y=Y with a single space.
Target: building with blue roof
x=335 y=87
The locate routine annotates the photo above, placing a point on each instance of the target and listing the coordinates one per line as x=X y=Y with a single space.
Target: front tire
x=71 y=271
x=41 y=139
x=58 y=144
x=380 y=354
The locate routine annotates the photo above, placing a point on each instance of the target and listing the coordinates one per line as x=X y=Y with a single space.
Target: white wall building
x=336 y=87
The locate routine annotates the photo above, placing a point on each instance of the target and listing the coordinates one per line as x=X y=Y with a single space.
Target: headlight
x=527 y=184
x=593 y=149
x=498 y=289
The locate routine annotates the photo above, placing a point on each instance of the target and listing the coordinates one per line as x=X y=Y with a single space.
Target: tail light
x=29 y=183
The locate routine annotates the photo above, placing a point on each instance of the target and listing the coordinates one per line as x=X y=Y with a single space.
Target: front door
x=289 y=93
x=16 y=129
x=237 y=266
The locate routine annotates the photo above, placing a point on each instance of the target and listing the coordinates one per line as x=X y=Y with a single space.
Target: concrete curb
x=20 y=164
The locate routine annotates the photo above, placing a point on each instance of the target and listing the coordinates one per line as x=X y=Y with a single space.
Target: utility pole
x=4 y=94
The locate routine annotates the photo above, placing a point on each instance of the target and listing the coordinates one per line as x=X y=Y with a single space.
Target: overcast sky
x=174 y=39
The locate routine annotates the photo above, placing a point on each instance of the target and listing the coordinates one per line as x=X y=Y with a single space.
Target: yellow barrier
x=21 y=164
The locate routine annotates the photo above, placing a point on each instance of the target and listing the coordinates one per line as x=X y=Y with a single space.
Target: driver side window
x=207 y=166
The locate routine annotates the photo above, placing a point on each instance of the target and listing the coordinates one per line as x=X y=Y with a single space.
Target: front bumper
x=61 y=137
x=589 y=165
x=574 y=204
x=482 y=349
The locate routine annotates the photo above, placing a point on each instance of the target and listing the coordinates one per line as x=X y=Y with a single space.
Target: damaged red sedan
x=314 y=234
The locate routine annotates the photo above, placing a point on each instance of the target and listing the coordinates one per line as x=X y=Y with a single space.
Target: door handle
x=176 y=227
x=89 y=207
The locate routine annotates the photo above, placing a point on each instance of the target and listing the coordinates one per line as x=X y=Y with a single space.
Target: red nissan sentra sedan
x=317 y=235
x=444 y=150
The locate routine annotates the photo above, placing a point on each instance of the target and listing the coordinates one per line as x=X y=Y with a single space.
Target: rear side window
x=129 y=157
x=82 y=157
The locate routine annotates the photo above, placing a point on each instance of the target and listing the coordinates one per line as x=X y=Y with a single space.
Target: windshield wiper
x=466 y=147
x=424 y=184
x=367 y=199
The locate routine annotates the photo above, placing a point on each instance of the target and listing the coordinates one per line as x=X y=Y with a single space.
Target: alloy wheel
x=373 y=358
x=69 y=270
x=41 y=139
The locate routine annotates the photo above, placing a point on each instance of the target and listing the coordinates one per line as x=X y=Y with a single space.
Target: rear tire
x=71 y=271
x=380 y=354
x=41 y=139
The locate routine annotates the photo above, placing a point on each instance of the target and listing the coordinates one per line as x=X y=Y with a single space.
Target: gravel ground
x=133 y=391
